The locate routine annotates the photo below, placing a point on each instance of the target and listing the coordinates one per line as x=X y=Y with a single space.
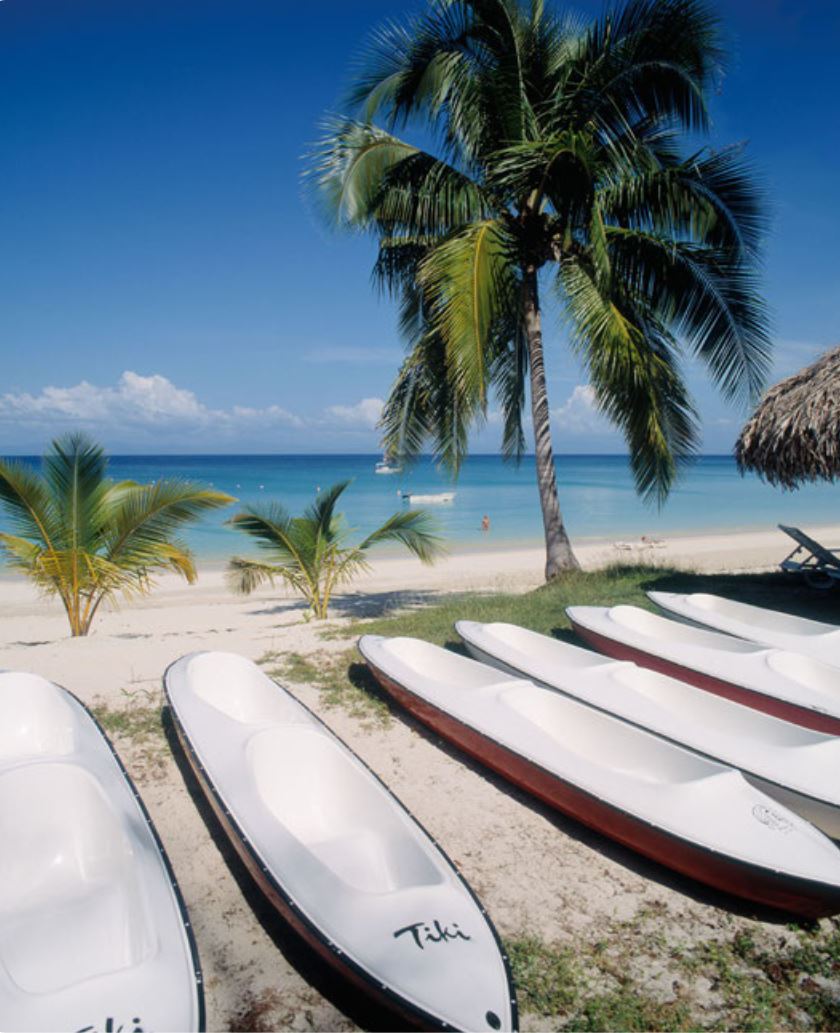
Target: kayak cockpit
x=37 y=720
x=238 y=689
x=73 y=869
x=322 y=797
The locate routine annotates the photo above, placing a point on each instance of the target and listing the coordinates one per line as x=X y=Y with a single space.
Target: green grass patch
x=794 y=985
x=582 y=988
x=547 y=976
x=138 y=724
x=784 y=983
x=341 y=678
x=544 y=608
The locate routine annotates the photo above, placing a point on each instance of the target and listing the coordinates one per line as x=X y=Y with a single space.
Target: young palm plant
x=558 y=161
x=311 y=553
x=85 y=538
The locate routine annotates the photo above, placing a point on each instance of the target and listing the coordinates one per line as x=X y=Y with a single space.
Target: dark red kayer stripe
x=803 y=716
x=798 y=896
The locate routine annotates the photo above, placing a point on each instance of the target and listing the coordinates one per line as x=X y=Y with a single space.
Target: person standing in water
x=485 y=523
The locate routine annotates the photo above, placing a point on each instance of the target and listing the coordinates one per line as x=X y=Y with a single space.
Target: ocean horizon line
x=361 y=455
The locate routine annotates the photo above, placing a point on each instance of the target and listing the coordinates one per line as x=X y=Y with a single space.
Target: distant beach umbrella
x=794 y=434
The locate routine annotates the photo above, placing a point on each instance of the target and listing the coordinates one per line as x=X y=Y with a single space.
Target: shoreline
x=495 y=564
x=584 y=544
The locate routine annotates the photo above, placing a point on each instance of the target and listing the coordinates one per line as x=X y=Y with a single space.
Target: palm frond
x=648 y=56
x=708 y=296
x=469 y=281
x=348 y=166
x=28 y=504
x=637 y=383
x=413 y=528
x=24 y=555
x=425 y=405
x=510 y=377
x=143 y=519
x=245 y=576
x=710 y=199
x=274 y=532
x=75 y=470
x=321 y=514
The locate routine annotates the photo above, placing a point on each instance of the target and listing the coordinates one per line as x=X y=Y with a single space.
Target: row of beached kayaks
x=727 y=773
x=724 y=767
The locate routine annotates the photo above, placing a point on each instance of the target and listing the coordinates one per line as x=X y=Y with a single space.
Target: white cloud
x=152 y=401
x=151 y=411
x=579 y=413
x=364 y=414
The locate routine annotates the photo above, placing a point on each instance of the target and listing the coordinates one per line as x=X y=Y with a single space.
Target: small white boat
x=787 y=685
x=683 y=810
x=754 y=623
x=386 y=466
x=440 y=499
x=93 y=930
x=335 y=852
x=796 y=766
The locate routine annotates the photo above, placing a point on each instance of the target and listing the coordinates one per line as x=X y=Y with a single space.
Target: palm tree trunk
x=559 y=557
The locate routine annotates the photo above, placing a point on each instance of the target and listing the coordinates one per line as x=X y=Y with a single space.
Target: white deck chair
x=819 y=566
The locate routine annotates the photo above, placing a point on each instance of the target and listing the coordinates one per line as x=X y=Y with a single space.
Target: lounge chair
x=820 y=566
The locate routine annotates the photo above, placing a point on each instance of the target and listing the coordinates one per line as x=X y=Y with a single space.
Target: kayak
x=787 y=685
x=335 y=852
x=94 y=933
x=796 y=766
x=772 y=628
x=685 y=811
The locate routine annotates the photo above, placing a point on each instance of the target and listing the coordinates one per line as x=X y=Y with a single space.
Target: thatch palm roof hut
x=794 y=434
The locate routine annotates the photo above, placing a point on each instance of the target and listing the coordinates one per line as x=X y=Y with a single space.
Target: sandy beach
x=538 y=874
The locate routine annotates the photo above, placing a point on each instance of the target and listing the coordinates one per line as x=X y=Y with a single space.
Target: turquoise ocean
x=596 y=495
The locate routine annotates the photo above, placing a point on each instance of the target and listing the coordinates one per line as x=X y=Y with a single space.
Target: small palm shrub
x=85 y=538
x=312 y=554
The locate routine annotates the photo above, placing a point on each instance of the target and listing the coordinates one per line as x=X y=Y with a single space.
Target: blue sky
x=164 y=282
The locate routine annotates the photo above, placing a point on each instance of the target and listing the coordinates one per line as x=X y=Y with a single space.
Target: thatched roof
x=794 y=434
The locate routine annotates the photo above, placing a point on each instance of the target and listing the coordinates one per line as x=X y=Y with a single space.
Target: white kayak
x=787 y=685
x=335 y=852
x=93 y=933
x=688 y=812
x=754 y=623
x=796 y=766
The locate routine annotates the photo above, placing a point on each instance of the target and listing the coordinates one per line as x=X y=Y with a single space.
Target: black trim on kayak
x=494 y=662
x=167 y=864
x=316 y=931
x=773 y=874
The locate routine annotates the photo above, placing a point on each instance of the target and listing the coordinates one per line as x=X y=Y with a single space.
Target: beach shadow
x=774 y=590
x=366 y=605
x=568 y=635
x=342 y=994
x=275 y=609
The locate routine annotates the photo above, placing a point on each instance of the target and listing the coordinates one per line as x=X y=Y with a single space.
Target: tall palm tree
x=312 y=553
x=558 y=159
x=85 y=538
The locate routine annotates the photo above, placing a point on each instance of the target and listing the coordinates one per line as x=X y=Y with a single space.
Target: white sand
x=535 y=872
